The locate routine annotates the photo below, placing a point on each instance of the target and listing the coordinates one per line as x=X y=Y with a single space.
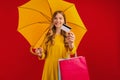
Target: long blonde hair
x=52 y=30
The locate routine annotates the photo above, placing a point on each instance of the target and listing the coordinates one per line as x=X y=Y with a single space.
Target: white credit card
x=66 y=28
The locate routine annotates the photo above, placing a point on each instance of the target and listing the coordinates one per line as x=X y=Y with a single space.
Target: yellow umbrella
x=35 y=18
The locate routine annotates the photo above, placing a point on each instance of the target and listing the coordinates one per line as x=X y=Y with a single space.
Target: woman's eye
x=60 y=18
x=55 y=18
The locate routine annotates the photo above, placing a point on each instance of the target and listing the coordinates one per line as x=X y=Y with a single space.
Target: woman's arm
x=70 y=40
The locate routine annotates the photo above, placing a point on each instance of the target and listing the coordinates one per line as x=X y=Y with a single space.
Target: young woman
x=58 y=44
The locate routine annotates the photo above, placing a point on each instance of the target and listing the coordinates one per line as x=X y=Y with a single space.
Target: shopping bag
x=73 y=69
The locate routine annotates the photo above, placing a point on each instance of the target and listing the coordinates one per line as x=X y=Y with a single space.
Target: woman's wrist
x=71 y=46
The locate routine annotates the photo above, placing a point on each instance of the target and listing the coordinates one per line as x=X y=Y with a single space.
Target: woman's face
x=58 y=20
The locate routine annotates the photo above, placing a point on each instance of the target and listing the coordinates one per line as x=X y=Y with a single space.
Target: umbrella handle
x=32 y=50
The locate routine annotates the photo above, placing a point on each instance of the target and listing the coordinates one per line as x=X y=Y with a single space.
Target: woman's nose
x=58 y=20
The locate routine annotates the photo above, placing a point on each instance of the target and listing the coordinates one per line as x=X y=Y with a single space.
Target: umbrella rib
x=47 y=17
x=33 y=24
x=71 y=22
x=77 y=25
x=50 y=8
x=67 y=8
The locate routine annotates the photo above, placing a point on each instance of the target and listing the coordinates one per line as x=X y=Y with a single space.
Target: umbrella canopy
x=35 y=18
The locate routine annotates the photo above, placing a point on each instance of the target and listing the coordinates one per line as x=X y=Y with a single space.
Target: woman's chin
x=58 y=26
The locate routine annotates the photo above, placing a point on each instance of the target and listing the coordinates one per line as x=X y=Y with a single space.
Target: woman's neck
x=58 y=30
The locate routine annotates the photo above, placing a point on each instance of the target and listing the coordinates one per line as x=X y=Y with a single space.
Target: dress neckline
x=57 y=34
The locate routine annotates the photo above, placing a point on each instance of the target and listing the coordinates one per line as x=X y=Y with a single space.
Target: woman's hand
x=70 y=39
x=39 y=51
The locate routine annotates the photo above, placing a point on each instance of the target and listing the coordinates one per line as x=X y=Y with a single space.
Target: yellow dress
x=54 y=52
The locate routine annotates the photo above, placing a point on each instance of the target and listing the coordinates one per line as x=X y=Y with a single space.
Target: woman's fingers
x=70 y=37
x=39 y=54
x=38 y=50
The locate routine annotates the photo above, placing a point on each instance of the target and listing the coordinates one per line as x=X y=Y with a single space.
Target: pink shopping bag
x=73 y=69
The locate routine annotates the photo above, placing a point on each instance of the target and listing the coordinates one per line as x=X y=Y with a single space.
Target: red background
x=100 y=44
